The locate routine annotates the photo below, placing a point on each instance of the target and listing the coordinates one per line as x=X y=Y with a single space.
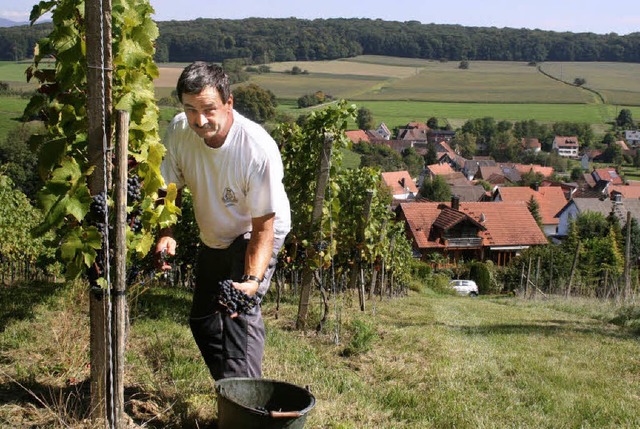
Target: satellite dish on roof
x=482 y=218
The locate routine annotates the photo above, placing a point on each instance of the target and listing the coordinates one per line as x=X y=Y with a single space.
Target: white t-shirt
x=231 y=184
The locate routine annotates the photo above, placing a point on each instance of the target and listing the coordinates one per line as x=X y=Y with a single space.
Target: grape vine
x=64 y=160
x=337 y=245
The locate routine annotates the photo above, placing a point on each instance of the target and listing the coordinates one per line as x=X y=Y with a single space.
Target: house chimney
x=401 y=181
x=535 y=186
x=455 y=202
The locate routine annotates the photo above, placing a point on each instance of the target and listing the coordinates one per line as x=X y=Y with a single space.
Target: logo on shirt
x=228 y=197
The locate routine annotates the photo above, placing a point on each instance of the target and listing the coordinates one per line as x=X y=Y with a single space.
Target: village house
x=550 y=199
x=435 y=136
x=401 y=185
x=632 y=137
x=433 y=170
x=471 y=167
x=601 y=182
x=625 y=191
x=383 y=131
x=531 y=144
x=470 y=230
x=619 y=206
x=609 y=174
x=566 y=146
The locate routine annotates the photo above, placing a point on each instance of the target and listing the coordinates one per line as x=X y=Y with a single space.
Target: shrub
x=440 y=283
x=629 y=317
x=363 y=335
x=480 y=274
x=420 y=270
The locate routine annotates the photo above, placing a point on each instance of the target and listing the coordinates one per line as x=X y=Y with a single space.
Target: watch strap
x=247 y=277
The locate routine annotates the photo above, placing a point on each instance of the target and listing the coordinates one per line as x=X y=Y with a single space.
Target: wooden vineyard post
x=99 y=66
x=626 y=291
x=118 y=331
x=324 y=167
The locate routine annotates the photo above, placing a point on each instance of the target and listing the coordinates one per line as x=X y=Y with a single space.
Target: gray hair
x=199 y=75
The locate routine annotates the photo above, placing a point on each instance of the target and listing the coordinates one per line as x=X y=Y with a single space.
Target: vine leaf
x=79 y=248
x=40 y=9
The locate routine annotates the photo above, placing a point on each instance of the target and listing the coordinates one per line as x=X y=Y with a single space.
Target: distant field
x=618 y=83
x=285 y=86
x=391 y=61
x=484 y=82
x=342 y=67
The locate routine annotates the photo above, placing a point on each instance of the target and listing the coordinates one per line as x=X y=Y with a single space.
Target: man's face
x=208 y=115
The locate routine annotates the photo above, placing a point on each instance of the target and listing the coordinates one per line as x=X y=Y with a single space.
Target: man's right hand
x=167 y=244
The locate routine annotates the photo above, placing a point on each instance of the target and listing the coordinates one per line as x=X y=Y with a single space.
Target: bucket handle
x=285 y=414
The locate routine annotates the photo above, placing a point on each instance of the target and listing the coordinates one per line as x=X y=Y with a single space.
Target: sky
x=577 y=16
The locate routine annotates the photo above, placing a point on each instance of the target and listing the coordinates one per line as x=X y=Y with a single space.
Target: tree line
x=264 y=40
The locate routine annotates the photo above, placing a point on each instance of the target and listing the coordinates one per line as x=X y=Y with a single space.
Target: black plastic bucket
x=249 y=403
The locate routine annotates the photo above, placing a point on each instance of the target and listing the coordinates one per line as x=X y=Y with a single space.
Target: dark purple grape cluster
x=234 y=300
x=134 y=195
x=134 y=221
x=98 y=211
x=134 y=189
x=99 y=205
x=321 y=246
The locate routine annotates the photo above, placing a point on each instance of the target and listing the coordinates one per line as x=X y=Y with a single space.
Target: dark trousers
x=231 y=347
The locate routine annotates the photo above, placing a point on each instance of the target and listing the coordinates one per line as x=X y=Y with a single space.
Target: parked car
x=465 y=287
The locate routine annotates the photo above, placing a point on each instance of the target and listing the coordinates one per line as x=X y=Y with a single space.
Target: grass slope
x=434 y=361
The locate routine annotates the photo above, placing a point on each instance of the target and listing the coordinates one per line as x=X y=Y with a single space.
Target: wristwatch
x=248 y=277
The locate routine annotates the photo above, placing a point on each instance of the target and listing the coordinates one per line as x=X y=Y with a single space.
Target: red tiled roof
x=448 y=218
x=357 y=136
x=625 y=191
x=393 y=178
x=440 y=169
x=506 y=223
x=486 y=171
x=566 y=141
x=446 y=148
x=609 y=174
x=524 y=169
x=551 y=200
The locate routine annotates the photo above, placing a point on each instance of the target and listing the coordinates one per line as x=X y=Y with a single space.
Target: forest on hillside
x=264 y=40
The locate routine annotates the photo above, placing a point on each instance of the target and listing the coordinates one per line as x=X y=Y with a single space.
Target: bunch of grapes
x=134 y=193
x=234 y=299
x=321 y=246
x=99 y=205
x=98 y=210
x=134 y=221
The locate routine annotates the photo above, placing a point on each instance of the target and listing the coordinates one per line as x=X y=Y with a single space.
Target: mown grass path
x=444 y=362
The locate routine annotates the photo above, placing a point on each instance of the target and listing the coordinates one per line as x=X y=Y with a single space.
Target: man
x=234 y=171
